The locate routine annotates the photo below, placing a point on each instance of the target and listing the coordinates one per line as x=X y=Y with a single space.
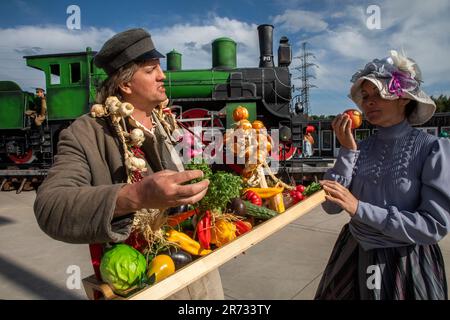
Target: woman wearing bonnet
x=394 y=186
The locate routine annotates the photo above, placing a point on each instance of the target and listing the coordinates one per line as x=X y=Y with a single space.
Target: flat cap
x=124 y=47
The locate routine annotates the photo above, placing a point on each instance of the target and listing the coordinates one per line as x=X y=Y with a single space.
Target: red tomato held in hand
x=300 y=188
x=355 y=116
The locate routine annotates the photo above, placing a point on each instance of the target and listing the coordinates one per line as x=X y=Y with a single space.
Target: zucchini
x=259 y=212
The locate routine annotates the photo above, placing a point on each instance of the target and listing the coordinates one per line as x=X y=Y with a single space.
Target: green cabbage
x=123 y=267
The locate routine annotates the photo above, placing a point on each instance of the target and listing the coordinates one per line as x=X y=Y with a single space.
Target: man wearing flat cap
x=116 y=171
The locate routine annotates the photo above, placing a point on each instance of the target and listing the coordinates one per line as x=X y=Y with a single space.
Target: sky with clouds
x=336 y=32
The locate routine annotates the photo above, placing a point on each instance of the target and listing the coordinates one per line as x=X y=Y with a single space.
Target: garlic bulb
x=97 y=110
x=112 y=103
x=137 y=137
x=126 y=109
x=134 y=163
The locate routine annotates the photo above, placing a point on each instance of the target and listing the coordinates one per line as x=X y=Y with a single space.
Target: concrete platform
x=287 y=265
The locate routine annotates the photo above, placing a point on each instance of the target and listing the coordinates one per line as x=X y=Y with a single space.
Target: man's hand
x=342 y=126
x=340 y=195
x=161 y=190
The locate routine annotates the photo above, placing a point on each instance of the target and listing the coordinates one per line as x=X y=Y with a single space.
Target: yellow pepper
x=265 y=193
x=223 y=232
x=186 y=243
x=277 y=203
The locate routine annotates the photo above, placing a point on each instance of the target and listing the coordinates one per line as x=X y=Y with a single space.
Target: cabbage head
x=122 y=267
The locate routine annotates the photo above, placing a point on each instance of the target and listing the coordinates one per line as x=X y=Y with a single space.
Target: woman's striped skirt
x=414 y=272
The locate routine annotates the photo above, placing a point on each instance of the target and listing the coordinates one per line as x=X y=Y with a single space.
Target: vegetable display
x=233 y=206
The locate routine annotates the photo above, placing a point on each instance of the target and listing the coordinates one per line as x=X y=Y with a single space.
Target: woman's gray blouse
x=401 y=177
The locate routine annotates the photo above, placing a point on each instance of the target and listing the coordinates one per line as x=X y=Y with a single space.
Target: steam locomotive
x=27 y=150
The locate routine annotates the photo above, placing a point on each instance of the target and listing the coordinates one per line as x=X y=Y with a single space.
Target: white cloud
x=420 y=28
x=300 y=20
x=194 y=41
x=25 y=40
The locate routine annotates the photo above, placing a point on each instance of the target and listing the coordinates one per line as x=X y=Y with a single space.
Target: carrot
x=179 y=218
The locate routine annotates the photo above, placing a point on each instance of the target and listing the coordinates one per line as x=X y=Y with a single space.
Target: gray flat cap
x=124 y=47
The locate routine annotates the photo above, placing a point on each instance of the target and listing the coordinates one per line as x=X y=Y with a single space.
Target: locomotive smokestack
x=265 y=32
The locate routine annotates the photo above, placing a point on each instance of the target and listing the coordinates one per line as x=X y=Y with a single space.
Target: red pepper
x=242 y=227
x=204 y=230
x=179 y=218
x=254 y=198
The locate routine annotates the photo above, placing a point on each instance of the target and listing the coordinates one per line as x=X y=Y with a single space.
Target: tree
x=321 y=117
x=442 y=103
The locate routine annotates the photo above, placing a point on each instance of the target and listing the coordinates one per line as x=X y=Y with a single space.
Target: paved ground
x=287 y=265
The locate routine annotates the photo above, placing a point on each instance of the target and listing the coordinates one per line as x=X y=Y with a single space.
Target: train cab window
x=75 y=72
x=55 y=74
x=327 y=139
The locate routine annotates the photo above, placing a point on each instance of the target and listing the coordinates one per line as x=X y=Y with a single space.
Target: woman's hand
x=342 y=126
x=161 y=190
x=340 y=195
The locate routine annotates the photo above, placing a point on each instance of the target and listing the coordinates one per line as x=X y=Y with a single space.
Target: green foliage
x=442 y=103
x=199 y=164
x=321 y=117
x=223 y=187
x=312 y=188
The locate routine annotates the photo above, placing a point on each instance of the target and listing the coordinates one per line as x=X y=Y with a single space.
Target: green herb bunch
x=312 y=188
x=223 y=187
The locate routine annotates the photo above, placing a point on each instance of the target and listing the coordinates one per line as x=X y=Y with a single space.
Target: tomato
x=245 y=124
x=310 y=129
x=300 y=188
x=296 y=195
x=263 y=142
x=355 y=116
x=269 y=146
x=257 y=124
x=240 y=113
x=161 y=267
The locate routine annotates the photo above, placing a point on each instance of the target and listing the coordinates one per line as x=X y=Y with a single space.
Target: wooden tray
x=204 y=265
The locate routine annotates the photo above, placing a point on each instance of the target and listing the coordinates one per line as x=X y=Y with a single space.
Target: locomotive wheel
x=200 y=113
x=289 y=151
x=27 y=157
